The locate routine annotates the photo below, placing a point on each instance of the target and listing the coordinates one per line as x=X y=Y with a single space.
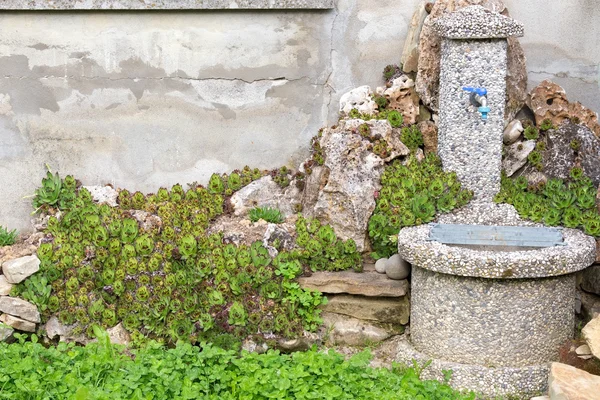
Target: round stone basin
x=506 y=310
x=415 y=246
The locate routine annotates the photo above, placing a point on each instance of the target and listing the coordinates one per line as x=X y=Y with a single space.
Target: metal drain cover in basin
x=493 y=235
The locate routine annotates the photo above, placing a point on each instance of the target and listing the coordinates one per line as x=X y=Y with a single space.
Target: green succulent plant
x=546 y=125
x=411 y=136
x=7 y=237
x=267 y=214
x=395 y=118
x=237 y=314
x=531 y=133
x=557 y=202
x=412 y=194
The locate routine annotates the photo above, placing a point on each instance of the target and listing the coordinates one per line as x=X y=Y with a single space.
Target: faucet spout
x=479 y=97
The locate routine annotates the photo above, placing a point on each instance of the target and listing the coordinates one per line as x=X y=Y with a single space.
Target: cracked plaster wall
x=562 y=43
x=144 y=99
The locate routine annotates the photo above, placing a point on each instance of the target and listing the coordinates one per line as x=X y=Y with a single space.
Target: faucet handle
x=477 y=91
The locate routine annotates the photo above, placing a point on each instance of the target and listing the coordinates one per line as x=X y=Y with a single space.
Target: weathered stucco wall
x=144 y=99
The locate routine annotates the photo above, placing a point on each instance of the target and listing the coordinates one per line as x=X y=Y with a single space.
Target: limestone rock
x=118 y=335
x=410 y=53
x=427 y=83
x=424 y=114
x=252 y=347
x=360 y=99
x=19 y=308
x=397 y=268
x=264 y=192
x=590 y=280
x=103 y=194
x=590 y=305
x=347 y=201
x=513 y=131
x=278 y=232
x=516 y=156
x=559 y=157
x=5 y=287
x=549 y=101
x=429 y=131
x=403 y=98
x=240 y=230
x=389 y=310
x=380 y=265
x=591 y=334
x=19 y=269
x=383 y=129
x=364 y=283
x=17 y=323
x=354 y=332
x=313 y=184
x=5 y=332
x=303 y=343
x=569 y=383
x=54 y=328
x=148 y=222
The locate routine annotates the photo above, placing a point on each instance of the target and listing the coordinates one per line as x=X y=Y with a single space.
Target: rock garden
x=324 y=279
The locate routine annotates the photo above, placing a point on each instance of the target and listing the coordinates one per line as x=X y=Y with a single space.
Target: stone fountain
x=495 y=308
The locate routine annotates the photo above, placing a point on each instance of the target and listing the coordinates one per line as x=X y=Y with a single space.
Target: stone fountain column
x=496 y=318
x=473 y=55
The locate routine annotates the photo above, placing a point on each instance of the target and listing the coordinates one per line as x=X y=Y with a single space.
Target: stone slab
x=389 y=310
x=19 y=308
x=344 y=330
x=163 y=4
x=17 y=323
x=369 y=284
x=569 y=383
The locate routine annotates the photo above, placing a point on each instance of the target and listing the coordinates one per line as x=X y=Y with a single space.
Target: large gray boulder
x=346 y=201
x=560 y=157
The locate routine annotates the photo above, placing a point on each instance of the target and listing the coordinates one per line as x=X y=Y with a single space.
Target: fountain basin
x=577 y=253
x=496 y=317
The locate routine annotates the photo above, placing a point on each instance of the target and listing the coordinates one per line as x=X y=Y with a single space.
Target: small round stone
x=380 y=265
x=397 y=268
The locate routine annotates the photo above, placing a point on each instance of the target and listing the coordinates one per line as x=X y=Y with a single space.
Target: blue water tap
x=478 y=91
x=478 y=95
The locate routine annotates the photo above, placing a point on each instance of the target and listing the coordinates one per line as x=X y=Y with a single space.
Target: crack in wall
x=563 y=74
x=331 y=89
x=179 y=78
